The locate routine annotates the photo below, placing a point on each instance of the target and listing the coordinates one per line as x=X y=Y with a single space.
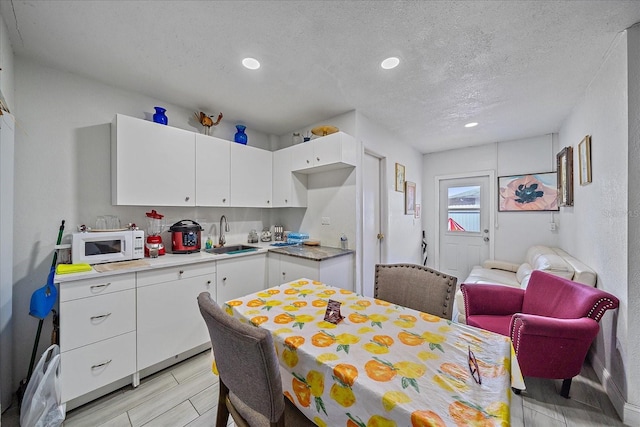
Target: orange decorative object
x=324 y=130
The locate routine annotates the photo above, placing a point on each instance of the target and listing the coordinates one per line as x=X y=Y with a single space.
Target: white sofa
x=551 y=260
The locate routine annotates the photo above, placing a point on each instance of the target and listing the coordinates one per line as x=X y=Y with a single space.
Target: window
x=464 y=209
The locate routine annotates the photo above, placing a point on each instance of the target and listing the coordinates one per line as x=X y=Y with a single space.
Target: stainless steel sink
x=232 y=249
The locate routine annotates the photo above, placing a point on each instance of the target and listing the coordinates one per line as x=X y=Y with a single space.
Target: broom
x=42 y=302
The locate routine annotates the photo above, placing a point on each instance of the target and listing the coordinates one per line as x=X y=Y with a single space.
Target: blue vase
x=159 y=116
x=240 y=137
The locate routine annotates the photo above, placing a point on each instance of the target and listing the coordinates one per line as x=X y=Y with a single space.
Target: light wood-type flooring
x=186 y=395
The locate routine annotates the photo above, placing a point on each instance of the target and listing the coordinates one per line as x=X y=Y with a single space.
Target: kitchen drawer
x=152 y=277
x=88 y=320
x=98 y=286
x=90 y=367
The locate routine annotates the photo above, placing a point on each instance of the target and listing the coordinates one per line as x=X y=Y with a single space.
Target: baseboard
x=629 y=413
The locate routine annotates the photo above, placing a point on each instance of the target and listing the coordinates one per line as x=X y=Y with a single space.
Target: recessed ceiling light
x=471 y=125
x=390 y=63
x=251 y=63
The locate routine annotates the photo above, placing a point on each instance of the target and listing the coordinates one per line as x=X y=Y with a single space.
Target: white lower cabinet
x=90 y=367
x=336 y=271
x=97 y=333
x=240 y=276
x=169 y=321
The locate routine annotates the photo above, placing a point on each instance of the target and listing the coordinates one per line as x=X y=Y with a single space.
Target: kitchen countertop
x=317 y=253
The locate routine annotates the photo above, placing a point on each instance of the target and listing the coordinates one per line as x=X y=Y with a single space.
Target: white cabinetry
x=336 y=271
x=250 y=176
x=334 y=151
x=136 y=145
x=98 y=333
x=169 y=322
x=240 y=276
x=289 y=189
x=212 y=171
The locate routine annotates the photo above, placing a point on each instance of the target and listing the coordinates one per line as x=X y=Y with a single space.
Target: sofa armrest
x=500 y=265
x=481 y=299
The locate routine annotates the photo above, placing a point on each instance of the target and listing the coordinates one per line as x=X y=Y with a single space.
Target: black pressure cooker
x=185 y=236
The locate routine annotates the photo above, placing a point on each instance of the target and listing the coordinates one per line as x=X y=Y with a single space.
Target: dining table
x=356 y=361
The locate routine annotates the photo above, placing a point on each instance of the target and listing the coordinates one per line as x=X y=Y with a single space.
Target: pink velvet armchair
x=551 y=323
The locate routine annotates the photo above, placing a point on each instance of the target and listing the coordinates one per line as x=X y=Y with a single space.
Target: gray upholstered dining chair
x=250 y=384
x=417 y=287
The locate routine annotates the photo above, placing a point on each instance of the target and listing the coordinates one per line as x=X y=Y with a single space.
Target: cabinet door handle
x=317 y=159
x=208 y=282
x=224 y=279
x=224 y=200
x=308 y=161
x=186 y=199
x=101 y=316
x=284 y=273
x=268 y=201
x=181 y=272
x=100 y=365
x=104 y=285
x=286 y=201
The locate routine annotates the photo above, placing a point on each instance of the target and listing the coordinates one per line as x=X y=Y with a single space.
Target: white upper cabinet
x=151 y=164
x=213 y=173
x=334 y=151
x=250 y=176
x=289 y=189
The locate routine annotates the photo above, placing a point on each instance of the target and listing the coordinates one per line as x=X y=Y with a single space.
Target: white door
x=464 y=218
x=372 y=237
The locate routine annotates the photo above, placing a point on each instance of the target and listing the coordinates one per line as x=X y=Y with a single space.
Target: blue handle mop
x=43 y=300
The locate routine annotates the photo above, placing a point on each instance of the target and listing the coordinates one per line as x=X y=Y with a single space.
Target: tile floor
x=186 y=395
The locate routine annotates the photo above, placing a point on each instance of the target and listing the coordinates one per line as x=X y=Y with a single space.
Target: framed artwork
x=528 y=193
x=399 y=177
x=409 y=198
x=565 y=177
x=417 y=213
x=584 y=159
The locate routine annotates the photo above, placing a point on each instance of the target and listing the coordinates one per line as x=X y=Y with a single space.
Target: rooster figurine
x=207 y=121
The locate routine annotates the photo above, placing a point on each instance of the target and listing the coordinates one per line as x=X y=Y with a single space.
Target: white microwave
x=107 y=246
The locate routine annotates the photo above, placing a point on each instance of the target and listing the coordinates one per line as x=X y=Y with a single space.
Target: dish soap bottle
x=209 y=243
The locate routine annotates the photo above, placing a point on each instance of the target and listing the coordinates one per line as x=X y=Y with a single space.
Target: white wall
x=403 y=233
x=62 y=171
x=514 y=232
x=6 y=65
x=597 y=230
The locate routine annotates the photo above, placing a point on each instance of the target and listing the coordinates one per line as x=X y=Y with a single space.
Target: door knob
x=380 y=236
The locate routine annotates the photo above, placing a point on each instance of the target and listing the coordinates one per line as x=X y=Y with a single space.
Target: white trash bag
x=41 y=405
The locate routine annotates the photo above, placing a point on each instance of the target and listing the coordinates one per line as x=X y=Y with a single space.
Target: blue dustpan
x=44 y=298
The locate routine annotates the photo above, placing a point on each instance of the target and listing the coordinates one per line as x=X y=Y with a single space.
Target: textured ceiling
x=517 y=68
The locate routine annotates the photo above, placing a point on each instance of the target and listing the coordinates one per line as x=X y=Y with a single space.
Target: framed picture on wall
x=528 y=193
x=584 y=159
x=409 y=198
x=565 y=177
x=417 y=212
x=399 y=177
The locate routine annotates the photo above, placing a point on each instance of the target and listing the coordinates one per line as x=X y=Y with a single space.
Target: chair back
x=417 y=287
x=246 y=360
x=552 y=296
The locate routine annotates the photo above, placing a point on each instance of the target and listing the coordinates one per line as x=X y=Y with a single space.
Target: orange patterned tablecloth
x=383 y=364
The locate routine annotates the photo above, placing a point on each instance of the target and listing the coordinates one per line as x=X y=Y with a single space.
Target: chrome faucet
x=226 y=228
